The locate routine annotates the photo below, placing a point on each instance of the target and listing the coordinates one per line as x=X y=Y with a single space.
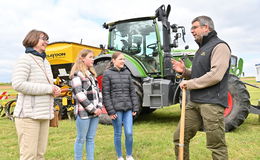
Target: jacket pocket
x=27 y=106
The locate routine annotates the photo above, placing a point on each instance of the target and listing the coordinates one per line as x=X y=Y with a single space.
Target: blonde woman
x=32 y=79
x=88 y=103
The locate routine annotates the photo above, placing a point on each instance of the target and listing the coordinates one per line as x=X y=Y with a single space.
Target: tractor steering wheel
x=152 y=46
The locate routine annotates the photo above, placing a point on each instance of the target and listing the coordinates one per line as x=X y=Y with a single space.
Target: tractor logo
x=203 y=54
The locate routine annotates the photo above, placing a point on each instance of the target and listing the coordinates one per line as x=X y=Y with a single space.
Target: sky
x=236 y=21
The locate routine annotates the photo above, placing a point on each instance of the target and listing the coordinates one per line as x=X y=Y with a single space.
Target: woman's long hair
x=80 y=66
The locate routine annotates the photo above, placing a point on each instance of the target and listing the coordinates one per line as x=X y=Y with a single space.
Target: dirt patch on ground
x=11 y=93
x=248 y=78
x=5 y=87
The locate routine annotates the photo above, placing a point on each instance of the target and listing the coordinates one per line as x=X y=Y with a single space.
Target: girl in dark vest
x=120 y=100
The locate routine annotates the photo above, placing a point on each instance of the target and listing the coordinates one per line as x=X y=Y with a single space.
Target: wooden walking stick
x=182 y=124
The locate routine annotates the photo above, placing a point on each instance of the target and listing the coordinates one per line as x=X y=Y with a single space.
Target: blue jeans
x=125 y=118
x=86 y=131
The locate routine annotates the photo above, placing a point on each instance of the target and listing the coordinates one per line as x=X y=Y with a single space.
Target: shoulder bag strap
x=44 y=71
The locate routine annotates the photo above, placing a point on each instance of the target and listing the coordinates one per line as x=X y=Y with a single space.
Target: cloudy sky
x=236 y=21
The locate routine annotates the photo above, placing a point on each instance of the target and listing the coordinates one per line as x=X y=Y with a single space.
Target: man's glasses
x=194 y=27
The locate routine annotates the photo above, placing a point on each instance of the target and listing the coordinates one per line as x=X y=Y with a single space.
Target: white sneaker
x=129 y=158
x=120 y=158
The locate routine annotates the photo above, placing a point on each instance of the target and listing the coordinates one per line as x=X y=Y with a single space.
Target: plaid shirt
x=87 y=95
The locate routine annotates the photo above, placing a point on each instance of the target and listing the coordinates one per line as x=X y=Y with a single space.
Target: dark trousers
x=210 y=117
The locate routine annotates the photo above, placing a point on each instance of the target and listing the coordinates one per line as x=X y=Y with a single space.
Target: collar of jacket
x=115 y=69
x=34 y=52
x=206 y=38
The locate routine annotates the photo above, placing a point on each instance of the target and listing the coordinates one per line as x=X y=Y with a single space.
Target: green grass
x=153 y=135
x=254 y=92
x=4 y=84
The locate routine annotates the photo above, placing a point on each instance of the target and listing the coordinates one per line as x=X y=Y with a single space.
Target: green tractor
x=147 y=46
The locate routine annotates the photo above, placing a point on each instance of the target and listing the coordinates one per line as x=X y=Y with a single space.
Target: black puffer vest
x=201 y=64
x=119 y=91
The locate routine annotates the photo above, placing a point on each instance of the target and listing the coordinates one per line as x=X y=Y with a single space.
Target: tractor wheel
x=187 y=97
x=1 y=109
x=9 y=109
x=146 y=110
x=238 y=104
x=100 y=67
x=139 y=93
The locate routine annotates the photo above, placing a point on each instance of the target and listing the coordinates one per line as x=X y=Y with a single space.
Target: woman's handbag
x=54 y=121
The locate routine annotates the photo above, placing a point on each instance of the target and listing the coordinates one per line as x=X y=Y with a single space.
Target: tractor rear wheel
x=238 y=104
x=100 y=67
x=139 y=93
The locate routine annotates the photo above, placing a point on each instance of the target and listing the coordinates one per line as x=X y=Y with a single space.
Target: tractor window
x=139 y=40
x=233 y=62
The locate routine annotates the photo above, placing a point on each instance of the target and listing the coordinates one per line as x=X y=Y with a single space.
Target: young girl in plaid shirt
x=88 y=103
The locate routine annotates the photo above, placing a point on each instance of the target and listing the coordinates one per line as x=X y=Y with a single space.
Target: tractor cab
x=138 y=38
x=147 y=40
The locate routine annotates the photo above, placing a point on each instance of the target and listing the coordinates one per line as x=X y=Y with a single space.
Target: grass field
x=153 y=134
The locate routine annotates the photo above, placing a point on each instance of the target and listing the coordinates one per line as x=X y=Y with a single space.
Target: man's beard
x=200 y=38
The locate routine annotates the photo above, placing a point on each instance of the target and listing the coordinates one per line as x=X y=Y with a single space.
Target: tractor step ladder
x=156 y=93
